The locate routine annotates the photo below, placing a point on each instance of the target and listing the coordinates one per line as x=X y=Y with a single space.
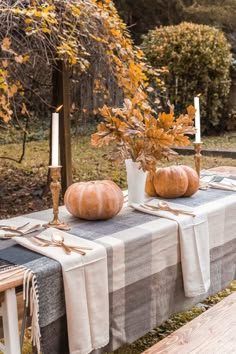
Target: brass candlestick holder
x=197 y=157
x=55 y=187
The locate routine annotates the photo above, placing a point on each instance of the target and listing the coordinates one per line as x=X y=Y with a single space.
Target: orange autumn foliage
x=141 y=136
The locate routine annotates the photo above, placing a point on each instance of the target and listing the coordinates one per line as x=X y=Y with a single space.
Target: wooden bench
x=9 y=311
x=213 y=332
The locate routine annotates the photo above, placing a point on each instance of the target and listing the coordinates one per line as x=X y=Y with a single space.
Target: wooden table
x=128 y=282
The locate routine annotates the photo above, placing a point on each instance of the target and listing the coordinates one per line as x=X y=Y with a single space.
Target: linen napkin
x=86 y=290
x=225 y=183
x=218 y=182
x=194 y=246
x=24 y=224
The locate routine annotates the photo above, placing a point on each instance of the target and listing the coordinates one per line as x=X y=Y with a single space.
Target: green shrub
x=197 y=59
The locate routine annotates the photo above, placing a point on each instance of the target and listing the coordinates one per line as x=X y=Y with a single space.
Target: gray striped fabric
x=145 y=279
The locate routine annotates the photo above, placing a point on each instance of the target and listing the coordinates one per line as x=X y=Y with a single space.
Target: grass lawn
x=26 y=181
x=88 y=163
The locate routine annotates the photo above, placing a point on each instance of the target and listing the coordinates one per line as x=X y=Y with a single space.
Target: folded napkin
x=86 y=290
x=21 y=223
x=218 y=182
x=194 y=246
x=229 y=181
x=225 y=183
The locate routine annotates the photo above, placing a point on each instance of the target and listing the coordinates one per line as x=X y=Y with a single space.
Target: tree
x=40 y=34
x=220 y=14
x=143 y=15
x=197 y=60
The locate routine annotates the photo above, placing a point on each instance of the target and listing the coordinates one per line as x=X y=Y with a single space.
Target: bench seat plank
x=214 y=331
x=11 y=278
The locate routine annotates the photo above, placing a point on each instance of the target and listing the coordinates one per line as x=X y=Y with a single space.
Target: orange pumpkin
x=149 y=187
x=94 y=200
x=170 y=182
x=175 y=181
x=193 y=181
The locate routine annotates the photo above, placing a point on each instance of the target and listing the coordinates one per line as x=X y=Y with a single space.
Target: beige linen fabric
x=86 y=290
x=194 y=246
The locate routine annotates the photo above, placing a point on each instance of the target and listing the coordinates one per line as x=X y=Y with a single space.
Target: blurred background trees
x=144 y=15
x=94 y=81
x=197 y=60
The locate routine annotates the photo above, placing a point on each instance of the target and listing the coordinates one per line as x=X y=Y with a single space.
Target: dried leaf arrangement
x=139 y=133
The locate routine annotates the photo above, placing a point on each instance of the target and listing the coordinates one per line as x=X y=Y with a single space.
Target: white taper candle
x=197 y=120
x=55 y=139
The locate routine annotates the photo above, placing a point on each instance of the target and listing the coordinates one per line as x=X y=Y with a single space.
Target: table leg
x=10 y=323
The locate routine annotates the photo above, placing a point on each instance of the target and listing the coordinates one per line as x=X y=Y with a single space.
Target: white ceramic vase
x=136 y=179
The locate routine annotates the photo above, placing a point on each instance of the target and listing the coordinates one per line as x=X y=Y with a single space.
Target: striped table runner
x=144 y=270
